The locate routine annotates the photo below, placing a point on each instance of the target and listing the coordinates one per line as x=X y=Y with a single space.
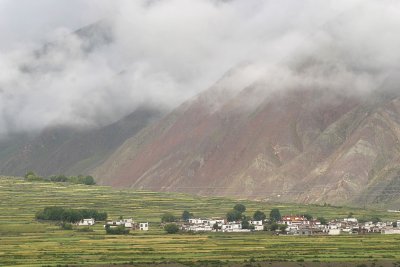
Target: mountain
x=68 y=150
x=312 y=145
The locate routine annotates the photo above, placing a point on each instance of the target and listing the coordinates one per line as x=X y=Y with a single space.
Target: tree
x=168 y=217
x=322 y=220
x=274 y=226
x=216 y=226
x=88 y=180
x=308 y=216
x=245 y=224
x=350 y=215
x=275 y=215
x=259 y=216
x=375 y=219
x=186 y=215
x=394 y=224
x=171 y=228
x=240 y=208
x=30 y=174
x=58 y=178
x=234 y=215
x=119 y=230
x=69 y=215
x=66 y=226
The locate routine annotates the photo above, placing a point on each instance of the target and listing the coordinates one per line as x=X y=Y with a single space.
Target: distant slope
x=308 y=145
x=65 y=150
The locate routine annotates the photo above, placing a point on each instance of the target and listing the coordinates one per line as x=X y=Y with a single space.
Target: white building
x=219 y=222
x=294 y=220
x=335 y=231
x=258 y=227
x=232 y=227
x=390 y=231
x=199 y=228
x=199 y=221
x=127 y=223
x=350 y=220
x=256 y=222
x=86 y=222
x=144 y=226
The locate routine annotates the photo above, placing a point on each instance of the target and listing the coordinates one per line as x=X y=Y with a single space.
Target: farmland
x=24 y=241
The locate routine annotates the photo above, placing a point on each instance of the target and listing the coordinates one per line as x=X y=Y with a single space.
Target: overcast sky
x=164 y=52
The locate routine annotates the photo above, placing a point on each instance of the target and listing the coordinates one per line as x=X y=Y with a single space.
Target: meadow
x=24 y=241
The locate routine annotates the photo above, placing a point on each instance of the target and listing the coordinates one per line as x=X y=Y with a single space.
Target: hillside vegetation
x=25 y=241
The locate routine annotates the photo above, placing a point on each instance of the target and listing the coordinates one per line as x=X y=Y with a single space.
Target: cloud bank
x=164 y=52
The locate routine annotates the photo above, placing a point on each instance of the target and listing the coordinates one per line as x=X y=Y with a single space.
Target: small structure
x=86 y=222
x=233 y=227
x=144 y=226
x=294 y=220
x=198 y=221
x=127 y=223
x=258 y=225
x=334 y=231
x=350 y=220
x=390 y=231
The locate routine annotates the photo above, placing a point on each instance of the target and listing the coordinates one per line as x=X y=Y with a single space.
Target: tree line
x=80 y=179
x=69 y=215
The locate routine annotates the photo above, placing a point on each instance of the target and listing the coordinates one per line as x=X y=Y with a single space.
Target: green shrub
x=171 y=228
x=85 y=229
x=66 y=226
x=119 y=230
x=168 y=217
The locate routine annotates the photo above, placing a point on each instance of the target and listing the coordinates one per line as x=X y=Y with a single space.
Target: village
x=236 y=222
x=293 y=225
x=125 y=223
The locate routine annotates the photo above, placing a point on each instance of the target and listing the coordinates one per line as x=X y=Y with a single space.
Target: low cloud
x=164 y=52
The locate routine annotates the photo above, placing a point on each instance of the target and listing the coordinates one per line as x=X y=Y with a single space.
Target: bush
x=274 y=227
x=171 y=228
x=119 y=230
x=66 y=226
x=87 y=180
x=168 y=217
x=85 y=229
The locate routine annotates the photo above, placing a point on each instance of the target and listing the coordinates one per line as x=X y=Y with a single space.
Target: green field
x=23 y=241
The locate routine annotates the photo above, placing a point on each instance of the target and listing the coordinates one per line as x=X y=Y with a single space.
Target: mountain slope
x=67 y=150
x=300 y=144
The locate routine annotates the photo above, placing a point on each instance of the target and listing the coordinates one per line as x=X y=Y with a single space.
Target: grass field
x=23 y=241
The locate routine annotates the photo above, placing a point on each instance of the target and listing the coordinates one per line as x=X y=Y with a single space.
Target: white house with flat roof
x=86 y=222
x=144 y=226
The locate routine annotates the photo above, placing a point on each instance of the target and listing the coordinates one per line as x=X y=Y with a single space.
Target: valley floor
x=24 y=241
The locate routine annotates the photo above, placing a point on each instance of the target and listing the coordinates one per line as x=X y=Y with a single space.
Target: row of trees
x=80 y=179
x=69 y=215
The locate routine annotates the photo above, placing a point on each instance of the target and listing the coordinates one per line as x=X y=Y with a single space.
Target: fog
x=161 y=53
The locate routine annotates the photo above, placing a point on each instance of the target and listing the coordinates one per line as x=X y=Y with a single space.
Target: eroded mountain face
x=300 y=144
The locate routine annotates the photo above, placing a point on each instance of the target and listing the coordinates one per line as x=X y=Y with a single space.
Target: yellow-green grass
x=23 y=241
